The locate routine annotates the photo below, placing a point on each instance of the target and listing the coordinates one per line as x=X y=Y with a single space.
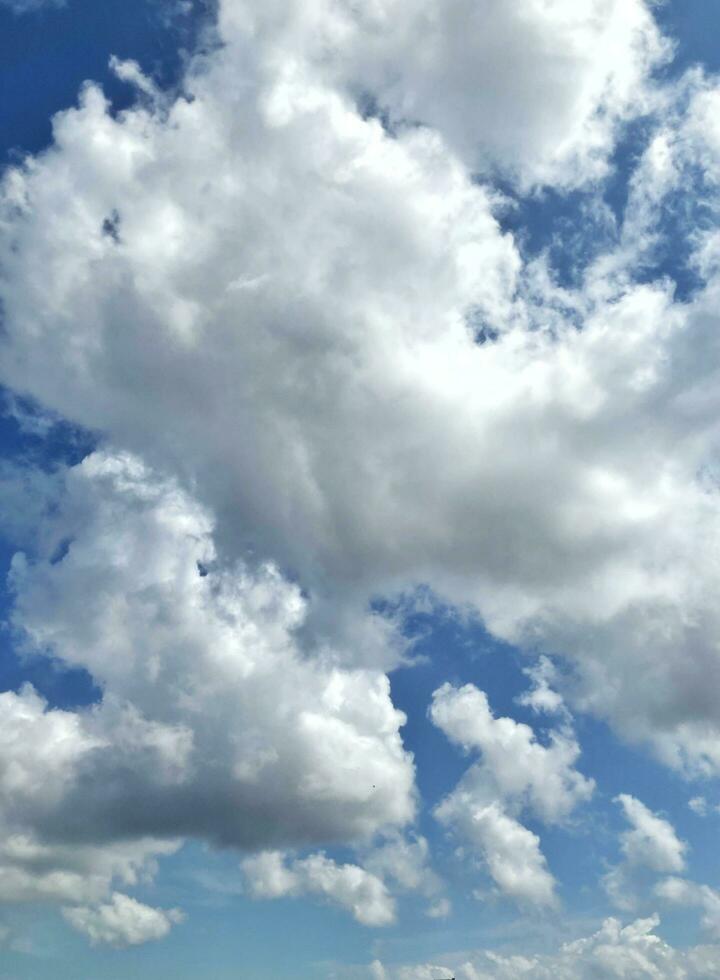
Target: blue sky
x=263 y=489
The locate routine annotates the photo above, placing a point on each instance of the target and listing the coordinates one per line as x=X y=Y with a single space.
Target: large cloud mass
x=212 y=722
x=323 y=374
x=536 y=90
x=272 y=297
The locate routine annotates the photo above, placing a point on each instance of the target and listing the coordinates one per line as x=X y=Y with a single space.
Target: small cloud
x=652 y=841
x=122 y=922
x=699 y=806
x=440 y=909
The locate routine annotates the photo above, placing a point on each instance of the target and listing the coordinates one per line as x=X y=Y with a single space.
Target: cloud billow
x=264 y=300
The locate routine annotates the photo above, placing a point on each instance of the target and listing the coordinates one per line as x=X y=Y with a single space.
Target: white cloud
x=30 y=6
x=212 y=724
x=542 y=696
x=549 y=480
x=515 y=772
x=652 y=841
x=353 y=888
x=272 y=300
x=481 y=73
x=698 y=805
x=514 y=764
x=404 y=861
x=196 y=667
x=122 y=922
x=614 y=951
x=511 y=851
x=39 y=750
x=649 y=848
x=396 y=864
x=680 y=892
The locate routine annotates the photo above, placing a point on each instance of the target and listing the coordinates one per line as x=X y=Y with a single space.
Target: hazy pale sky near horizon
x=359 y=486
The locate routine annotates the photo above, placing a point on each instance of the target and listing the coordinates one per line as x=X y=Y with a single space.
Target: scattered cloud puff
x=394 y=864
x=363 y=894
x=514 y=764
x=196 y=734
x=652 y=841
x=511 y=852
x=650 y=847
x=677 y=891
x=30 y=6
x=516 y=772
x=404 y=862
x=122 y=921
x=542 y=698
x=701 y=807
x=614 y=951
x=481 y=74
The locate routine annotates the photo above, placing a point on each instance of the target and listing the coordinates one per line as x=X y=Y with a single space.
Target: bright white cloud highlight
x=212 y=723
x=549 y=479
x=361 y=893
x=404 y=863
x=197 y=667
x=698 y=805
x=513 y=762
x=651 y=841
x=271 y=306
x=515 y=772
x=677 y=891
x=511 y=851
x=122 y=922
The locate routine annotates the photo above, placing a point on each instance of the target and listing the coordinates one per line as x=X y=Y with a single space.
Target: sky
x=359 y=484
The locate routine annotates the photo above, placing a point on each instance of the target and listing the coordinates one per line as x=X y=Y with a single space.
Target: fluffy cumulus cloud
x=261 y=290
x=321 y=372
x=678 y=891
x=698 y=805
x=514 y=763
x=511 y=852
x=123 y=921
x=651 y=841
x=211 y=724
x=516 y=772
x=482 y=74
x=347 y=885
x=614 y=951
x=404 y=862
x=650 y=847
